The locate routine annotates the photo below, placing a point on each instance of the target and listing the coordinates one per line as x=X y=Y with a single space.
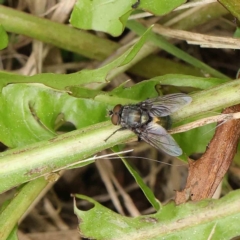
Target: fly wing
x=165 y=105
x=159 y=138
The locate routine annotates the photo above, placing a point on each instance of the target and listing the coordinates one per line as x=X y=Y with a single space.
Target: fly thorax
x=131 y=116
x=144 y=117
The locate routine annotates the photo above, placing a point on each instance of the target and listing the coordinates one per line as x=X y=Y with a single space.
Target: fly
x=150 y=119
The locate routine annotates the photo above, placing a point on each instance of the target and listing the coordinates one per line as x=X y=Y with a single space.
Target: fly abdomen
x=165 y=122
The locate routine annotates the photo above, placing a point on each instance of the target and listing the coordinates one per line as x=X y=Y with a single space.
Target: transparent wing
x=159 y=138
x=165 y=105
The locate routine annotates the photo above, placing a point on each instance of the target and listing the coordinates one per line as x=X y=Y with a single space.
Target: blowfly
x=150 y=119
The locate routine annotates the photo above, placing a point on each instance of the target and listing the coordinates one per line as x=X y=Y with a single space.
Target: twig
x=205 y=121
x=197 y=38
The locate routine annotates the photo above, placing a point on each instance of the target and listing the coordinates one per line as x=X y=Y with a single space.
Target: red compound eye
x=116 y=114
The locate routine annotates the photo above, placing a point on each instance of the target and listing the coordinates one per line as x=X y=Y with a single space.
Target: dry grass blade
x=104 y=170
x=205 y=121
x=197 y=38
x=109 y=179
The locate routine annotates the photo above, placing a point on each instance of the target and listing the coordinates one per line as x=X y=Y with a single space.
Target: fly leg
x=137 y=131
x=120 y=129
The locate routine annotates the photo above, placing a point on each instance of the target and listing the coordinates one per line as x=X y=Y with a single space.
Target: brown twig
x=206 y=173
x=204 y=121
x=200 y=39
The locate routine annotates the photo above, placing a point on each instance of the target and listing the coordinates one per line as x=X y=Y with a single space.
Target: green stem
x=24 y=164
x=216 y=98
x=56 y=34
x=18 y=206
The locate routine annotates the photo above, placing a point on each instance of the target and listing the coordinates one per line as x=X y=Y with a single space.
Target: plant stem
x=56 y=34
x=19 y=205
x=24 y=164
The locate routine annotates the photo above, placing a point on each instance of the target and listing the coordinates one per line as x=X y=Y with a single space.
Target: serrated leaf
x=63 y=81
x=207 y=219
x=29 y=112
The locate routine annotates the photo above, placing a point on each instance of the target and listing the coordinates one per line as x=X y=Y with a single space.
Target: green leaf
x=62 y=81
x=13 y=235
x=162 y=43
x=180 y=80
x=145 y=189
x=3 y=38
x=107 y=16
x=160 y=7
x=237 y=33
x=233 y=6
x=30 y=111
x=203 y=220
x=136 y=47
x=111 y=16
x=194 y=140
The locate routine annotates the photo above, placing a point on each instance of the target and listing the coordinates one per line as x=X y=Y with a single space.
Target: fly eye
x=116 y=114
x=115 y=119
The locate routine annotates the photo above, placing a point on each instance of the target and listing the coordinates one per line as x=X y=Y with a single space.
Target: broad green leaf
x=3 y=38
x=111 y=16
x=30 y=111
x=207 y=219
x=107 y=16
x=194 y=140
x=159 y=7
